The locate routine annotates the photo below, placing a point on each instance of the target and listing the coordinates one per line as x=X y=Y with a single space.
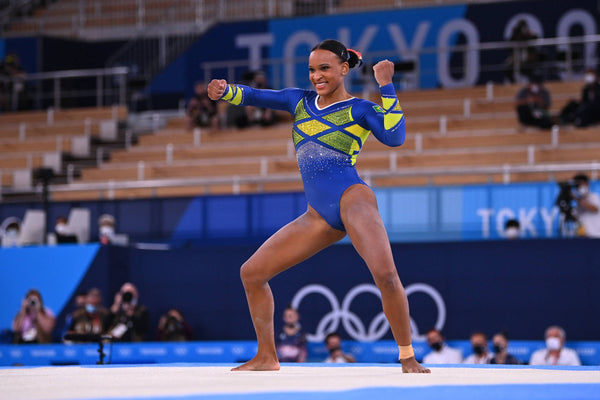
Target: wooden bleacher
x=263 y=159
x=27 y=137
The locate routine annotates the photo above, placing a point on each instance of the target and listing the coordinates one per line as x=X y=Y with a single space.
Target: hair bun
x=354 y=58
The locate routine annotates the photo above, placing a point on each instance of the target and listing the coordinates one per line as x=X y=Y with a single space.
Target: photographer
x=34 y=323
x=333 y=343
x=128 y=320
x=587 y=209
x=172 y=327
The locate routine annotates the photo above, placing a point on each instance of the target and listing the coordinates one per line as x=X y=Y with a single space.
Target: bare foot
x=410 y=365
x=256 y=364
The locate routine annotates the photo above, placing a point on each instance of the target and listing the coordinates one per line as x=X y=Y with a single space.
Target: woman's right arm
x=285 y=100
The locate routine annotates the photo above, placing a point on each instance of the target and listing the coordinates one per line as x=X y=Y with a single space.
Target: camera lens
x=127 y=297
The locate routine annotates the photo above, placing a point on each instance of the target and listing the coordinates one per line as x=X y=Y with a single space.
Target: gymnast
x=330 y=128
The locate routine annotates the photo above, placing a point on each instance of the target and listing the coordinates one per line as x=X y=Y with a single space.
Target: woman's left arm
x=387 y=122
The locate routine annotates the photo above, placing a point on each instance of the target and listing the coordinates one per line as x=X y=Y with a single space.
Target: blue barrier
x=384 y=351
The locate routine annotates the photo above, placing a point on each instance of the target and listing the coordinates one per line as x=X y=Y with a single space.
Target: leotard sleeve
x=387 y=124
x=285 y=100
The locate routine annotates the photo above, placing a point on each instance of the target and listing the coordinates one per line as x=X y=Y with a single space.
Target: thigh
x=365 y=228
x=295 y=242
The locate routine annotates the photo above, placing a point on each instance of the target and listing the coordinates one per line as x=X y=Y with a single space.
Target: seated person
x=61 y=229
x=128 y=320
x=34 y=322
x=586 y=111
x=201 y=110
x=173 y=327
x=333 y=343
x=532 y=104
x=441 y=353
x=91 y=317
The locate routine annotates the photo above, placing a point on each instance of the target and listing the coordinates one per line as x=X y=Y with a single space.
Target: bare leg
x=367 y=233
x=280 y=252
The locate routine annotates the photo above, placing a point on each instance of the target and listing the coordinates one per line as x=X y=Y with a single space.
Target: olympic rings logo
x=352 y=323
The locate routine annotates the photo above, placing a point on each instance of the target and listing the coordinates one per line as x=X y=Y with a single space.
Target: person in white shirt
x=555 y=353
x=588 y=207
x=441 y=353
x=481 y=354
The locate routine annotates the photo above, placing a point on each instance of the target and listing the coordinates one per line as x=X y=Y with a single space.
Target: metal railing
x=83 y=87
x=562 y=58
x=107 y=189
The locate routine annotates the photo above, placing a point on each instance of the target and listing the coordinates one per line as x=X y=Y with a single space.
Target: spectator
x=587 y=110
x=528 y=56
x=291 y=342
x=172 y=327
x=555 y=353
x=501 y=356
x=10 y=232
x=79 y=302
x=256 y=115
x=128 y=320
x=12 y=84
x=480 y=355
x=106 y=228
x=201 y=110
x=532 y=104
x=333 y=343
x=61 y=230
x=587 y=209
x=91 y=317
x=441 y=353
x=34 y=322
x=512 y=229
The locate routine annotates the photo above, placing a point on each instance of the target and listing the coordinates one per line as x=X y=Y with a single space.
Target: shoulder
x=361 y=107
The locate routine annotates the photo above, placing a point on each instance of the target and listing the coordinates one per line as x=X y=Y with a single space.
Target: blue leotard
x=327 y=140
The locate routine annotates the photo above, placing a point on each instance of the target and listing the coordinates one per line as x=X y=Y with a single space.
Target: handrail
x=369 y=175
x=57 y=76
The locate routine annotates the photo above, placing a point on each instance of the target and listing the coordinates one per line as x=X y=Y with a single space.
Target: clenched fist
x=384 y=71
x=216 y=88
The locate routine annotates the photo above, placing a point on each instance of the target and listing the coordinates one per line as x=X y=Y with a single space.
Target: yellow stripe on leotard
x=393 y=114
x=233 y=95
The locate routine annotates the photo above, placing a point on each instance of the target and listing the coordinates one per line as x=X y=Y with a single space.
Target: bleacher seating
x=32 y=139
x=455 y=136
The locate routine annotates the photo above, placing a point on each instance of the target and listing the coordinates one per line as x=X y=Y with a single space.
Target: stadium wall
x=520 y=286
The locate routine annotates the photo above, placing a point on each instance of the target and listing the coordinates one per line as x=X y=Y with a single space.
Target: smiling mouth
x=320 y=85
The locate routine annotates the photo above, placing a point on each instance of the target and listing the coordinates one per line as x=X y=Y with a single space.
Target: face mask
x=437 y=346
x=535 y=88
x=583 y=190
x=511 y=233
x=479 y=350
x=553 y=343
x=589 y=78
x=498 y=348
x=107 y=231
x=61 y=229
x=90 y=308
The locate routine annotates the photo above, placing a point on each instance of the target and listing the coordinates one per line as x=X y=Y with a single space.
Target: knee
x=387 y=281
x=250 y=274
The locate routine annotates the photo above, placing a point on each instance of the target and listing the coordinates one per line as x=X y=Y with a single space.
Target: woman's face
x=326 y=72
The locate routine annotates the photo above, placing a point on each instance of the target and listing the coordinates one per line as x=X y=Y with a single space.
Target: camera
x=564 y=200
x=127 y=297
x=173 y=324
x=33 y=302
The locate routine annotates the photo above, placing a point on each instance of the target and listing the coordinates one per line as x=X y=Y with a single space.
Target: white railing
x=107 y=189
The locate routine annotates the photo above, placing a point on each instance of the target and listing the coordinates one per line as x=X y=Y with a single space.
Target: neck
x=339 y=95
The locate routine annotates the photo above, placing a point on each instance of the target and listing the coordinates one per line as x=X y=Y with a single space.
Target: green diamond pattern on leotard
x=297 y=138
x=339 y=118
x=339 y=141
x=300 y=113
